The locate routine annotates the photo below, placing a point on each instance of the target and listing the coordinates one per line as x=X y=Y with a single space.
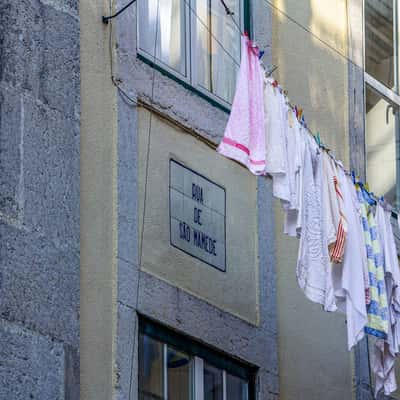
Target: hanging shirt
x=284 y=185
x=275 y=132
x=377 y=310
x=292 y=222
x=244 y=137
x=348 y=277
x=385 y=350
x=313 y=266
x=336 y=224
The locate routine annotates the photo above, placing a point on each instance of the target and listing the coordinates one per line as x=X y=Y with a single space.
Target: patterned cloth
x=336 y=251
x=314 y=272
x=377 y=310
x=336 y=223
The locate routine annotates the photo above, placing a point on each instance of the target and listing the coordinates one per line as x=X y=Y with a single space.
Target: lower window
x=174 y=368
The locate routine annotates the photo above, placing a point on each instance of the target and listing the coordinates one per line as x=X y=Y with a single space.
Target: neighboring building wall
x=240 y=324
x=313 y=356
x=114 y=288
x=39 y=199
x=121 y=278
x=98 y=204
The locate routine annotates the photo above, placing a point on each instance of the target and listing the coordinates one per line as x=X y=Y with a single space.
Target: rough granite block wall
x=39 y=199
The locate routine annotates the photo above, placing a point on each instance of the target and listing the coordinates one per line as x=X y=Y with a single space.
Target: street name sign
x=197 y=215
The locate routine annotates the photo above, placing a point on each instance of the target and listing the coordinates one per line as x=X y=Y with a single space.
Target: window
x=379 y=43
x=173 y=368
x=197 y=43
x=382 y=98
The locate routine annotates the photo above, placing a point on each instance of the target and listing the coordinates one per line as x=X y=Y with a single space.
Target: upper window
x=379 y=43
x=173 y=368
x=382 y=98
x=197 y=42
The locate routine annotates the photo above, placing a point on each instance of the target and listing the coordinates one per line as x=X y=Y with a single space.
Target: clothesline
x=394 y=213
x=300 y=116
x=347 y=259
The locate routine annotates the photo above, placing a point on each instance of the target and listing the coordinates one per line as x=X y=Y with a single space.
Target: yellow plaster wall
x=236 y=290
x=98 y=205
x=313 y=356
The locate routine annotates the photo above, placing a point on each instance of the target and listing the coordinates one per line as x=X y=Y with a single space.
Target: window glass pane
x=236 y=388
x=213 y=384
x=202 y=43
x=151 y=376
x=380 y=146
x=170 y=27
x=225 y=50
x=216 y=47
x=179 y=375
x=379 y=48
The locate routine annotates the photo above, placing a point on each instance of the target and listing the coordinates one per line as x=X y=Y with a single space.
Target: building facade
x=137 y=262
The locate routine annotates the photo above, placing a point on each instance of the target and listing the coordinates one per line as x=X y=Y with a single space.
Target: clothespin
x=368 y=196
x=299 y=113
x=254 y=48
x=290 y=117
x=261 y=54
x=353 y=177
x=318 y=139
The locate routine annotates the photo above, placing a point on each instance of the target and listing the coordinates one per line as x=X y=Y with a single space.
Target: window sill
x=187 y=86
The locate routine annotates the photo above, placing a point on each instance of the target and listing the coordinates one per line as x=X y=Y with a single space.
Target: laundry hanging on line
x=347 y=260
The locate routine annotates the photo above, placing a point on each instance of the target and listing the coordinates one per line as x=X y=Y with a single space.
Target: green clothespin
x=318 y=139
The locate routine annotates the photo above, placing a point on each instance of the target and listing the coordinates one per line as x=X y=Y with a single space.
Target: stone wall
x=39 y=199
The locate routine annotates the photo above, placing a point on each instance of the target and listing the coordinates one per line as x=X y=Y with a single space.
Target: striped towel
x=337 y=249
x=377 y=309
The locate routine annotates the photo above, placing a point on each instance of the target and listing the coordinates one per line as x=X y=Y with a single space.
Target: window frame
x=392 y=96
x=199 y=354
x=188 y=81
x=369 y=79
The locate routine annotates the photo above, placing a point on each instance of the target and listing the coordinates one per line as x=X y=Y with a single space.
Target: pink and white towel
x=244 y=137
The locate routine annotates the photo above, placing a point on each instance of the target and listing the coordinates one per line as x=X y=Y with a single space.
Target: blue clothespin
x=368 y=197
x=261 y=54
x=353 y=177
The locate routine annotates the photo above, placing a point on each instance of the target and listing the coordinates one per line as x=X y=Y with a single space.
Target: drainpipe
x=396 y=88
x=397 y=130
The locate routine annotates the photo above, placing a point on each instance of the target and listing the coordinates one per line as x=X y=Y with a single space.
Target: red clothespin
x=300 y=113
